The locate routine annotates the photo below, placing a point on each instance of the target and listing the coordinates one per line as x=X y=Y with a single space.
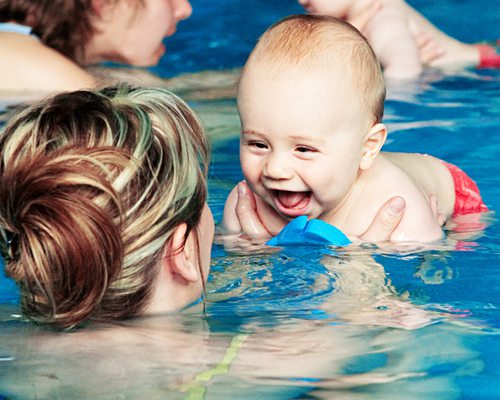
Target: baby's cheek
x=249 y=167
x=246 y=173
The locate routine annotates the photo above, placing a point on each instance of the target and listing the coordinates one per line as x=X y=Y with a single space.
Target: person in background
x=45 y=44
x=396 y=33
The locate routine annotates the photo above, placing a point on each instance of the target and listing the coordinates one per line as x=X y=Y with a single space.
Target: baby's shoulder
x=390 y=168
x=419 y=222
x=429 y=174
x=413 y=176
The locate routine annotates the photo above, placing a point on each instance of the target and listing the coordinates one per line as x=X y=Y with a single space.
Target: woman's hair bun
x=66 y=216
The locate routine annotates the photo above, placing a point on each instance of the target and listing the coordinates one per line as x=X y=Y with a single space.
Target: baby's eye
x=258 y=145
x=304 y=149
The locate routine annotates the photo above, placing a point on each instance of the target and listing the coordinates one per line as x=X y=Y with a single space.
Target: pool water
x=304 y=322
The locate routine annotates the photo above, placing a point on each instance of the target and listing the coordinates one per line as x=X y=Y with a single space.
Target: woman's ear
x=373 y=142
x=180 y=255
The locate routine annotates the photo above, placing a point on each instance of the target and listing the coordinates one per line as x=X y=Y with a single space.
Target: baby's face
x=333 y=8
x=301 y=139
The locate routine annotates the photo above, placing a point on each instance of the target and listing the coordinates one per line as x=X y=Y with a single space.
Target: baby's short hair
x=317 y=40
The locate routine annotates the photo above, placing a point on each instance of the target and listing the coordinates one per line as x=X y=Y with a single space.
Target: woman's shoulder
x=27 y=64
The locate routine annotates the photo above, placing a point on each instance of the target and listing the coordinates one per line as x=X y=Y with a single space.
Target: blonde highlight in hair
x=312 y=41
x=93 y=185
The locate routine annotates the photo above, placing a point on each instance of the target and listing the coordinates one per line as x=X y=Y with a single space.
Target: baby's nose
x=277 y=168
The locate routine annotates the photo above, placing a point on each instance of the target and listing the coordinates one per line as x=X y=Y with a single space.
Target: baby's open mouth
x=292 y=203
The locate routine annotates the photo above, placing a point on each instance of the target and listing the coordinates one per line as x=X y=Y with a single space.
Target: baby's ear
x=373 y=142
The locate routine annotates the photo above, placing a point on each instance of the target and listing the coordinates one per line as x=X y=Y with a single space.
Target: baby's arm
x=394 y=44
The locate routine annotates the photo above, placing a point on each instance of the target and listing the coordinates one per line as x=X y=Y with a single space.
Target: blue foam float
x=302 y=231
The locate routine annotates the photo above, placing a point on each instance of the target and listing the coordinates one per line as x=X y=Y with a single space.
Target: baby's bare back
x=430 y=175
x=413 y=177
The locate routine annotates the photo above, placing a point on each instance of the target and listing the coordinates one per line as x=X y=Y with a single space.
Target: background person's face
x=334 y=8
x=133 y=33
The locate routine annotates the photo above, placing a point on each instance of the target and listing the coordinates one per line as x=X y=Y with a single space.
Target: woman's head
x=99 y=193
x=90 y=31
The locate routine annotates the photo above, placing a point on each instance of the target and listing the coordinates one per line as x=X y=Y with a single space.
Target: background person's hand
x=428 y=48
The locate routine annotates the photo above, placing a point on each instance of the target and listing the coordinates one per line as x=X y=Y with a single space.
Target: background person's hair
x=320 y=40
x=92 y=185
